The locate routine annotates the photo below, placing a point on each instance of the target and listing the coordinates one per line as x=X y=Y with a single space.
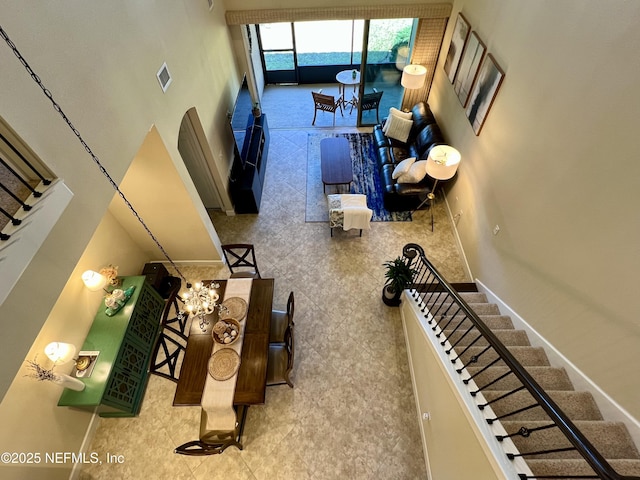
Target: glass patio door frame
x=362 y=88
x=279 y=76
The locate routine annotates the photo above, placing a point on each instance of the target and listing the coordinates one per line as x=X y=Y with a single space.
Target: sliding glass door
x=315 y=52
x=388 y=48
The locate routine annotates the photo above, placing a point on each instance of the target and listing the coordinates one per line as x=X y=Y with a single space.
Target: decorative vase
x=68 y=381
x=390 y=297
x=354 y=74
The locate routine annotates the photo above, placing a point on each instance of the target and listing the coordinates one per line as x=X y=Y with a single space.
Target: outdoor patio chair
x=325 y=103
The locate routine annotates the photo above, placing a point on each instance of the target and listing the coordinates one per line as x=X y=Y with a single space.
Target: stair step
x=525 y=355
x=611 y=439
x=508 y=337
x=549 y=378
x=447 y=308
x=578 y=467
x=494 y=322
x=474 y=297
x=576 y=405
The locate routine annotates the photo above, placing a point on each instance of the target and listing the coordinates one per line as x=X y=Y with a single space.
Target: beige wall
x=154 y=188
x=30 y=418
x=556 y=167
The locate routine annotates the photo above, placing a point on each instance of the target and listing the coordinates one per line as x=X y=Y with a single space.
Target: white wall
x=555 y=166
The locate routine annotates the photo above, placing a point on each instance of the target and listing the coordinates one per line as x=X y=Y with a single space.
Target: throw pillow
x=399 y=128
x=398 y=113
x=415 y=174
x=403 y=167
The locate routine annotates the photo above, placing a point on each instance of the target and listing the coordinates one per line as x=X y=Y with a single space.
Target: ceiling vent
x=164 y=77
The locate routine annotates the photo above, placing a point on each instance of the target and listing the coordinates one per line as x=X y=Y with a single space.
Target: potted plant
x=399 y=275
x=256 y=110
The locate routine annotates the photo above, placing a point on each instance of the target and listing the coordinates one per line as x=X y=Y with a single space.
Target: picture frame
x=456 y=47
x=469 y=65
x=484 y=92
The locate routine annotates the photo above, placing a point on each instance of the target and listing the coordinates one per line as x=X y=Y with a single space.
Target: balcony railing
x=31 y=201
x=445 y=308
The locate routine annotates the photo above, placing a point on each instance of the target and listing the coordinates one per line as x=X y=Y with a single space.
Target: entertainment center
x=250 y=159
x=250 y=166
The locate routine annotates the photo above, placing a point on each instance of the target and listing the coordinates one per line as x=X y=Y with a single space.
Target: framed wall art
x=468 y=69
x=484 y=93
x=458 y=39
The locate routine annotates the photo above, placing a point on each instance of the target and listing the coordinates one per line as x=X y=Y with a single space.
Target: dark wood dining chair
x=171 y=344
x=325 y=103
x=371 y=101
x=168 y=353
x=280 y=363
x=280 y=320
x=241 y=260
x=214 y=442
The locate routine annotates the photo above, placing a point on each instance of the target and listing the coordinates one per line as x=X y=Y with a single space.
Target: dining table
x=252 y=373
x=347 y=78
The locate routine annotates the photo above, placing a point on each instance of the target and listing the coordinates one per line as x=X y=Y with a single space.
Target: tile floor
x=352 y=412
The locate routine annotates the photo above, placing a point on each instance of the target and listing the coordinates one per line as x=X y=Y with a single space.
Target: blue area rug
x=366 y=179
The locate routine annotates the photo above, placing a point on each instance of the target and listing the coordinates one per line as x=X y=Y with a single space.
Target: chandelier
x=200 y=300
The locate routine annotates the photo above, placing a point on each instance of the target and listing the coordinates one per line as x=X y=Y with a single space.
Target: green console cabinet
x=118 y=380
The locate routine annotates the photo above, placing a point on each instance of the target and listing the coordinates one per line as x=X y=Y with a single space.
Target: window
x=335 y=42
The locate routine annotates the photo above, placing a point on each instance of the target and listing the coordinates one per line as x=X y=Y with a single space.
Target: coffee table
x=335 y=162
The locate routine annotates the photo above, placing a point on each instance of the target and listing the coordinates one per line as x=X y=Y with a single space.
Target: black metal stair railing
x=448 y=310
x=14 y=187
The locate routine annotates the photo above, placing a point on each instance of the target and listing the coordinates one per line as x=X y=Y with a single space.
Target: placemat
x=235 y=307
x=224 y=364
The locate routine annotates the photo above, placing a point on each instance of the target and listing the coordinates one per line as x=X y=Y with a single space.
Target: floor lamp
x=442 y=164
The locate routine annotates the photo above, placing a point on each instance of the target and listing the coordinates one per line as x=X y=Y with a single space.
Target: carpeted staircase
x=611 y=438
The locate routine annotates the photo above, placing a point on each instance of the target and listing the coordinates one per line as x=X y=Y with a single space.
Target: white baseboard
x=610 y=409
x=457 y=238
x=86 y=443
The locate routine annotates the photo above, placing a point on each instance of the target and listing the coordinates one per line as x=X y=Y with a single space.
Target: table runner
x=217 y=397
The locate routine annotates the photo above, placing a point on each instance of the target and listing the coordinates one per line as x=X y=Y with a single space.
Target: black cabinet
x=249 y=169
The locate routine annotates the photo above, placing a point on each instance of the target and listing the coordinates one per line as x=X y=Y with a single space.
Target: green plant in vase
x=399 y=275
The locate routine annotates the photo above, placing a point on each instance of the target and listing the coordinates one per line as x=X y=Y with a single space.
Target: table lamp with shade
x=442 y=164
x=413 y=76
x=60 y=352
x=93 y=280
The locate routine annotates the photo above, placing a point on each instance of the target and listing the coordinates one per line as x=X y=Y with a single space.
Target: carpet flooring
x=366 y=179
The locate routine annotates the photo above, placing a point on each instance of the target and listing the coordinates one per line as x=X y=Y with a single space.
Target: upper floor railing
x=446 y=309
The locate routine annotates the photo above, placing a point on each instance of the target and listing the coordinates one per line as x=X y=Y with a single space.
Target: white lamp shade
x=413 y=76
x=443 y=162
x=93 y=280
x=60 y=352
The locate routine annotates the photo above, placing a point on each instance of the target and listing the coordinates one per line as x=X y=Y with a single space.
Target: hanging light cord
x=75 y=131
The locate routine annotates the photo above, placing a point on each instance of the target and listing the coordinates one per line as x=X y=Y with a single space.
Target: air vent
x=164 y=77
